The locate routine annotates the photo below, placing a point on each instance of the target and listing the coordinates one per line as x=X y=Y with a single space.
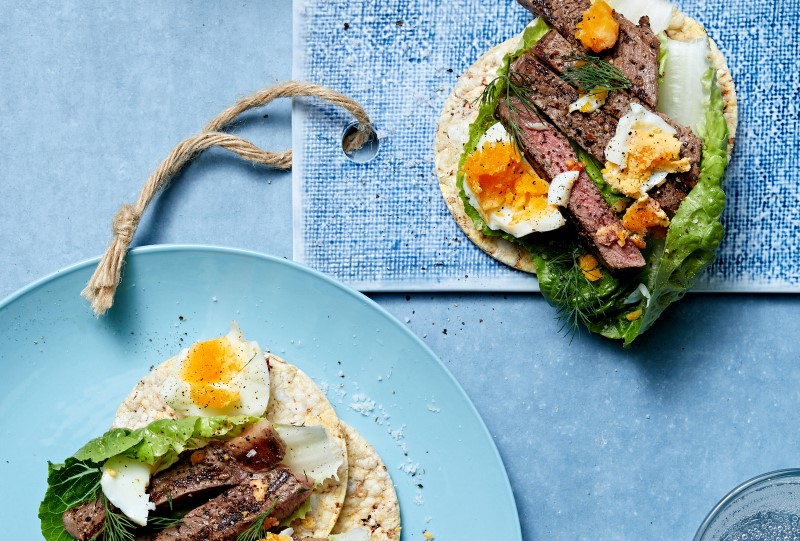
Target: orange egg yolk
x=643 y=214
x=208 y=364
x=654 y=150
x=598 y=30
x=499 y=177
x=650 y=150
x=590 y=267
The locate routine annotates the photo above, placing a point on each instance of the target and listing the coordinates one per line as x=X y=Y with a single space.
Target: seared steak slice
x=636 y=50
x=563 y=15
x=552 y=96
x=85 y=521
x=219 y=464
x=636 y=56
x=258 y=447
x=669 y=195
x=553 y=50
x=692 y=148
x=549 y=152
x=278 y=491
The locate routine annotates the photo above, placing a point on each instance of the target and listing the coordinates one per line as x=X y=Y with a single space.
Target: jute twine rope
x=103 y=284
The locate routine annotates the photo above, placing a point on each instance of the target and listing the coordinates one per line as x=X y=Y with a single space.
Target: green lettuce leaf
x=696 y=229
x=160 y=442
x=68 y=485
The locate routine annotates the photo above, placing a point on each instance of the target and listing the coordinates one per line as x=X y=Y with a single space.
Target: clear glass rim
x=738 y=491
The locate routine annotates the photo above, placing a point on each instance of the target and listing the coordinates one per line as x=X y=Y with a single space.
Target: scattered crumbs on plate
x=214 y=298
x=418 y=499
x=428 y=535
x=411 y=468
x=432 y=407
x=340 y=393
x=362 y=404
x=397 y=434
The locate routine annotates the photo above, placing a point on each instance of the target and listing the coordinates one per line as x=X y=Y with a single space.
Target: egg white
x=619 y=146
x=124 y=481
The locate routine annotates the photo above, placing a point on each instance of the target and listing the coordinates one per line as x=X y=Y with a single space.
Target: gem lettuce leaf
x=673 y=264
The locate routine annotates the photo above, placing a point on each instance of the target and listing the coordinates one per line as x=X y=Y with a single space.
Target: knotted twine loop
x=103 y=284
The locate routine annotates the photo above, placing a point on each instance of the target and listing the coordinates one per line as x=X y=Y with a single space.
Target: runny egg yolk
x=499 y=177
x=208 y=364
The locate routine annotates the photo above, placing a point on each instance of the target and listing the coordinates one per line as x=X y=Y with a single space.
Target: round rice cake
x=461 y=109
x=371 y=500
x=294 y=399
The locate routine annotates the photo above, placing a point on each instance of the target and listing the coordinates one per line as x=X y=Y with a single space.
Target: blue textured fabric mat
x=383 y=225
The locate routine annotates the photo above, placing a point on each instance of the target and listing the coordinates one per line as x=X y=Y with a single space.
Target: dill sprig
x=575 y=296
x=257 y=530
x=162 y=523
x=513 y=87
x=117 y=526
x=594 y=75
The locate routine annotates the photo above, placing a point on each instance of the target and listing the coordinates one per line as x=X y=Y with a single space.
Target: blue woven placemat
x=383 y=225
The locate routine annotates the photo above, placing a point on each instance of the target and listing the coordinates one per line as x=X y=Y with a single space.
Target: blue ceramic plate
x=64 y=372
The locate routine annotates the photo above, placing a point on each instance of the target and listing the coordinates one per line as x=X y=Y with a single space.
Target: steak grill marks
x=278 y=492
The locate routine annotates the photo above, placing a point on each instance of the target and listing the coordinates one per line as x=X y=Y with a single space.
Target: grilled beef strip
x=636 y=50
x=218 y=464
x=553 y=96
x=223 y=518
x=549 y=152
x=85 y=521
x=636 y=56
x=553 y=49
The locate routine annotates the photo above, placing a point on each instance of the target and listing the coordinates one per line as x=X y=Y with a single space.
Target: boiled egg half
x=642 y=152
x=124 y=481
x=505 y=190
x=223 y=376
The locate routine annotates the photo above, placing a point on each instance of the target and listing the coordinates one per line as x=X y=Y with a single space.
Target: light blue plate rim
x=199 y=248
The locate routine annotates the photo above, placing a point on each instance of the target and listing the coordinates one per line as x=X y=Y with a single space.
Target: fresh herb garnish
x=575 y=296
x=257 y=530
x=117 y=527
x=162 y=523
x=594 y=75
x=514 y=88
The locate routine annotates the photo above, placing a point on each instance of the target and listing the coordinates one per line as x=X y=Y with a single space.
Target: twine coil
x=103 y=284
